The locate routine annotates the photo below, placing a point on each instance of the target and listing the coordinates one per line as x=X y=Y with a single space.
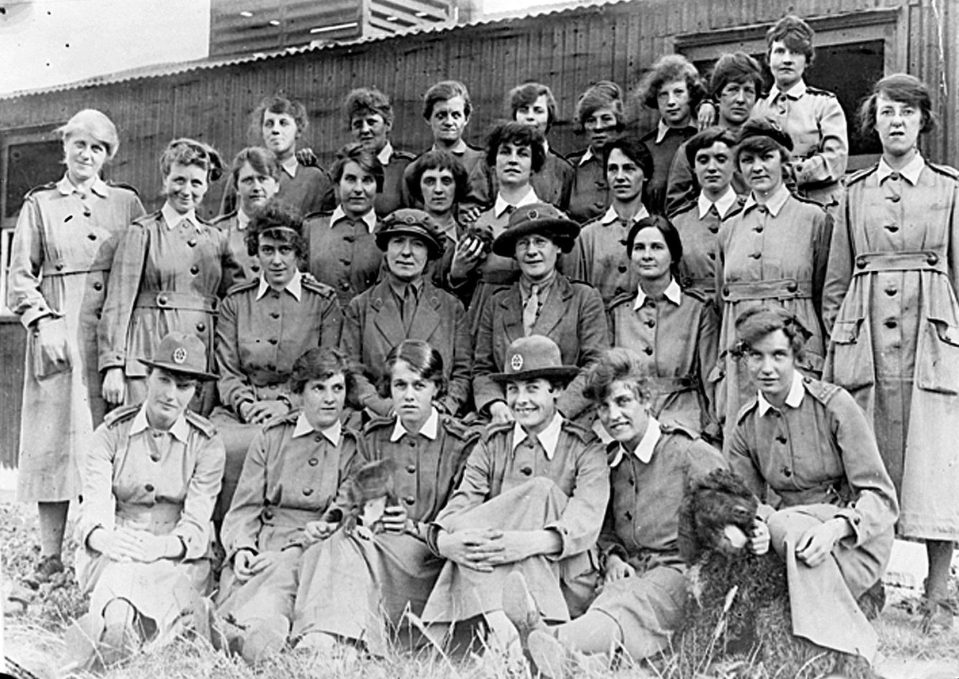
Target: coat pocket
x=937 y=361
x=51 y=349
x=851 y=359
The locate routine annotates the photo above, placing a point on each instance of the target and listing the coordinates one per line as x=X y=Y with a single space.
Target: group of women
x=348 y=333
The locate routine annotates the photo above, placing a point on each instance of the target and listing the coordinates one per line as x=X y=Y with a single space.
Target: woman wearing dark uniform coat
x=169 y=273
x=263 y=327
x=535 y=105
x=406 y=305
x=357 y=583
x=61 y=255
x=599 y=112
x=291 y=476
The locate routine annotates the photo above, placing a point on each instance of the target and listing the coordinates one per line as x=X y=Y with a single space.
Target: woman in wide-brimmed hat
x=541 y=302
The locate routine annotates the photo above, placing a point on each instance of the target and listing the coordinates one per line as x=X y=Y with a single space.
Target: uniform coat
x=310 y=189
x=393 y=195
x=554 y=182
x=235 y=228
x=373 y=325
x=480 y=193
x=589 y=193
x=60 y=260
x=342 y=254
x=572 y=316
x=891 y=301
x=663 y=150
x=700 y=236
x=682 y=187
x=819 y=458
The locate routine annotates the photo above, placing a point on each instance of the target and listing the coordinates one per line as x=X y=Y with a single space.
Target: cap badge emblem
x=179 y=356
x=516 y=362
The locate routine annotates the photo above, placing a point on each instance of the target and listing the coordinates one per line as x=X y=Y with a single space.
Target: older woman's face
x=371 y=130
x=357 y=189
x=84 y=157
x=279 y=133
x=536 y=256
x=323 y=401
x=771 y=365
x=168 y=395
x=651 y=256
x=514 y=164
x=898 y=125
x=277 y=261
x=439 y=190
x=406 y=257
x=184 y=187
x=763 y=170
x=254 y=188
x=600 y=125
x=412 y=395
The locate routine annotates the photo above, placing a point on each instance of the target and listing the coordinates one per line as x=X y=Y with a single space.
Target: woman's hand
x=320 y=530
x=467 y=548
x=759 y=539
x=817 y=543
x=466 y=257
x=394 y=519
x=53 y=345
x=261 y=412
x=499 y=413
x=246 y=564
x=131 y=544
x=617 y=569
x=706 y=115
x=114 y=386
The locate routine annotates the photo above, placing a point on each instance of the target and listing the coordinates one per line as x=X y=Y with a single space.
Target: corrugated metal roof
x=174 y=68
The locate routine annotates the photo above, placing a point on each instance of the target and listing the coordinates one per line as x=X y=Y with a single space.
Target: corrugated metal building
x=857 y=41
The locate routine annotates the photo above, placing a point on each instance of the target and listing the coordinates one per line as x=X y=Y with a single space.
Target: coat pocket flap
x=846 y=332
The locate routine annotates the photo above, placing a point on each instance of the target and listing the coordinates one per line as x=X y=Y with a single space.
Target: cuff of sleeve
x=854 y=519
x=431 y=534
x=32 y=315
x=86 y=533
x=764 y=511
x=563 y=533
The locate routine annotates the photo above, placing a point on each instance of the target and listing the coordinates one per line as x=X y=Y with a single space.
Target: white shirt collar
x=911 y=171
x=294 y=287
x=612 y=216
x=723 y=205
x=546 y=145
x=385 y=154
x=180 y=429
x=794 y=92
x=369 y=218
x=662 y=129
x=500 y=206
x=333 y=433
x=174 y=218
x=459 y=148
x=774 y=203
x=586 y=156
x=242 y=219
x=430 y=428
x=793 y=398
x=290 y=166
x=548 y=438
x=645 y=447
x=66 y=187
x=673 y=293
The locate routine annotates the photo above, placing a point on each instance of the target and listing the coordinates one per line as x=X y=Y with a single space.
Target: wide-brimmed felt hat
x=529 y=358
x=536 y=218
x=181 y=353
x=411 y=222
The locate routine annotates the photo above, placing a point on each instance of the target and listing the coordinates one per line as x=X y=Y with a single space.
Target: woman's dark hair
x=527 y=94
x=278 y=104
x=795 y=34
x=367 y=161
x=903 y=88
x=633 y=149
x=518 y=134
x=321 y=363
x=260 y=159
x=444 y=91
x=280 y=221
x=437 y=160
x=185 y=151
x=667 y=69
x=618 y=365
x=603 y=94
x=421 y=357
x=760 y=136
x=705 y=139
x=365 y=100
x=673 y=242
x=736 y=67
x=757 y=322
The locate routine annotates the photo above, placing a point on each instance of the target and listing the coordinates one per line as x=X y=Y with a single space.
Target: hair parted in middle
x=519 y=134
x=437 y=160
x=358 y=154
x=632 y=148
x=670 y=234
x=422 y=358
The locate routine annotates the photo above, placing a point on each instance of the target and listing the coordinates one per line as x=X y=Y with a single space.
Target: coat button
x=629 y=516
x=194 y=269
x=781 y=438
x=891 y=291
x=761 y=209
x=273 y=341
x=275 y=314
x=307 y=491
x=411 y=468
x=860 y=262
x=191 y=242
x=255 y=268
x=98 y=286
x=932 y=259
x=346 y=262
x=890 y=323
x=651 y=323
x=787 y=471
x=755 y=255
x=622 y=268
x=409 y=499
x=725 y=291
x=149 y=487
x=895 y=198
x=268 y=514
x=201 y=327
x=349 y=238
x=648 y=351
x=792 y=286
x=526 y=471
x=317 y=438
x=161 y=299
x=59 y=267
x=92 y=236
x=411 y=443
x=711 y=256
x=891 y=228
x=313 y=462
x=632 y=481
x=155 y=457
x=713 y=228
x=758 y=229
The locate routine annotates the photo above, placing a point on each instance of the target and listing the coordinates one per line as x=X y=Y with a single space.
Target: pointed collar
x=911 y=171
x=774 y=204
x=242 y=219
x=645 y=447
x=794 y=92
x=612 y=216
x=430 y=428
x=793 y=398
x=662 y=129
x=587 y=156
x=548 y=438
x=500 y=206
x=673 y=293
x=333 y=433
x=369 y=218
x=172 y=218
x=385 y=154
x=290 y=166
x=180 y=429
x=66 y=187
x=723 y=205
x=457 y=150
x=294 y=287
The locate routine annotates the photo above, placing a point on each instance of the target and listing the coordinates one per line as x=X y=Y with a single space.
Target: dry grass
x=35 y=631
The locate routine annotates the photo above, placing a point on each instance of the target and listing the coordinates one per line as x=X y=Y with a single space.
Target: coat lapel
x=511 y=311
x=427 y=317
x=557 y=304
x=386 y=314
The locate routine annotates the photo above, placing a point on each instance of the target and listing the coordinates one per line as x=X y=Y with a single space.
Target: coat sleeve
x=821 y=260
x=98 y=504
x=233 y=385
x=593 y=337
x=351 y=344
x=458 y=389
x=485 y=390
x=839 y=266
x=474 y=488
x=122 y=290
x=829 y=161
x=580 y=523
x=195 y=526
x=708 y=353
x=331 y=323
x=241 y=525
x=737 y=452
x=26 y=260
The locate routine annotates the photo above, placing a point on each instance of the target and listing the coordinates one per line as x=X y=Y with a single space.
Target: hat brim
x=178 y=369
x=562 y=372
x=562 y=231
x=435 y=247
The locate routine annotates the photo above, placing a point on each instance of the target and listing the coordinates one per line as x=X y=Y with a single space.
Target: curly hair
x=901 y=87
x=602 y=94
x=667 y=69
x=364 y=100
x=279 y=221
x=185 y=151
x=736 y=67
x=519 y=134
x=618 y=365
x=278 y=104
x=437 y=160
x=444 y=91
x=757 y=322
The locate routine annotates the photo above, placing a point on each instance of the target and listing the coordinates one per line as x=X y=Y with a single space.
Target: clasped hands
x=483 y=548
x=129 y=543
x=813 y=547
x=394 y=520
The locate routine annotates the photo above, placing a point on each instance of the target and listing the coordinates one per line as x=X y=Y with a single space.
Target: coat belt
x=784 y=288
x=919 y=260
x=166 y=299
x=708 y=283
x=51 y=269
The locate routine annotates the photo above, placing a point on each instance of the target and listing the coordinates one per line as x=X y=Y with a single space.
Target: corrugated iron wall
x=568 y=50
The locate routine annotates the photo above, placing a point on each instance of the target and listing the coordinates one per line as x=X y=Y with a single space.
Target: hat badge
x=179 y=355
x=516 y=362
x=533 y=214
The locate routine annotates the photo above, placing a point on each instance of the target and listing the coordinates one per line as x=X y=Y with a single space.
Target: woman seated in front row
x=150 y=479
x=263 y=326
x=291 y=476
